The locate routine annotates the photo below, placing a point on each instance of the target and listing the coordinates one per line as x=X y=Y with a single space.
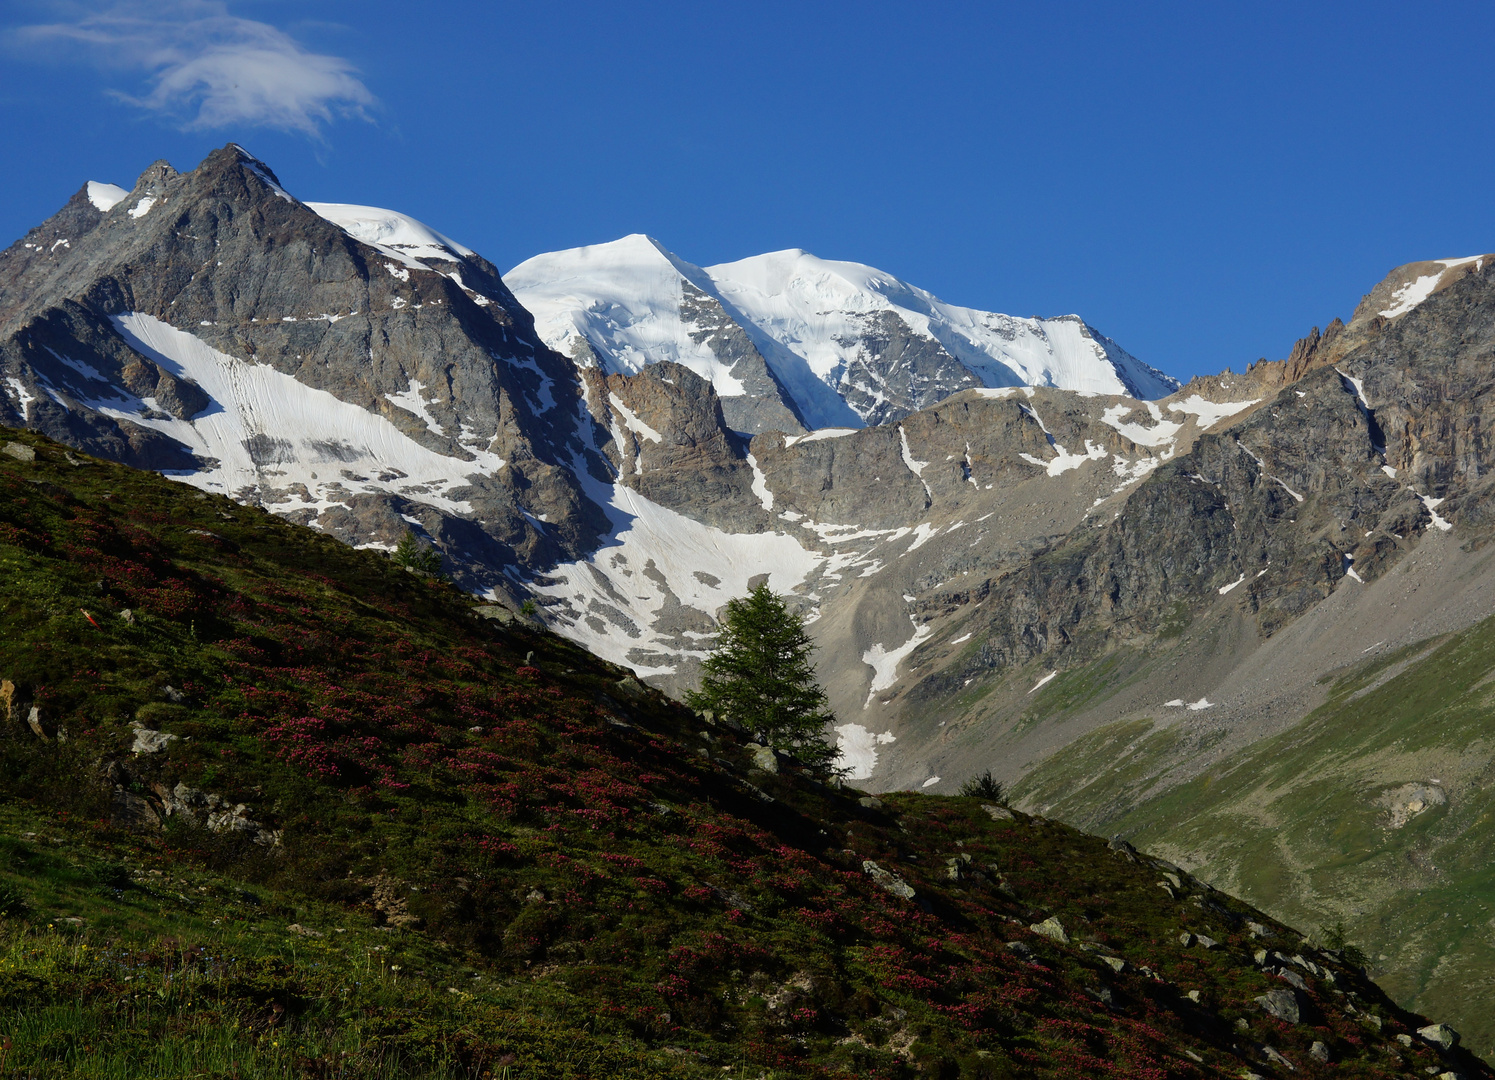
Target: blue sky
x=1202 y=182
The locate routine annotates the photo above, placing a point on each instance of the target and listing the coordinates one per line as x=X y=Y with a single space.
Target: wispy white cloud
x=206 y=68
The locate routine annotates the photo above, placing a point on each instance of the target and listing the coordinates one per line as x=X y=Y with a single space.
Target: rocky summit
x=1019 y=548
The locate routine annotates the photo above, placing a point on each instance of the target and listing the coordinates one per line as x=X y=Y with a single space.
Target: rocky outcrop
x=670 y=441
x=765 y=404
x=896 y=371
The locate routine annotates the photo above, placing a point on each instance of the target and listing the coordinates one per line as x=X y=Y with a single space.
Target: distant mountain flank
x=835 y=344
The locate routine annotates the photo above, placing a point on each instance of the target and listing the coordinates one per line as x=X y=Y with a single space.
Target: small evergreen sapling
x=986 y=787
x=761 y=677
x=413 y=555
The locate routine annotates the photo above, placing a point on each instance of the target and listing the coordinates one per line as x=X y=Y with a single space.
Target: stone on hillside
x=1020 y=948
x=1206 y=942
x=148 y=741
x=10 y=696
x=1440 y=1035
x=999 y=813
x=1277 y=1059
x=1309 y=966
x=1115 y=963
x=1404 y=803
x=388 y=898
x=889 y=881
x=130 y=811
x=630 y=687
x=128 y=617
x=1257 y=930
x=20 y=452
x=1294 y=978
x=1051 y=928
x=1186 y=939
x=1283 y=1004
x=34 y=722
x=1319 y=1052
x=304 y=931
x=497 y=612
x=867 y=802
x=764 y=758
x=172 y=694
x=183 y=800
x=1123 y=850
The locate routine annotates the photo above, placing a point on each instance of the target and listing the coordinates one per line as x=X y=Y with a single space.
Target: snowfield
x=264 y=430
x=811 y=320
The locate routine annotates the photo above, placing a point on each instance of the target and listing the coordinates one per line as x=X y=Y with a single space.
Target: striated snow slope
x=848 y=344
x=397 y=235
x=818 y=307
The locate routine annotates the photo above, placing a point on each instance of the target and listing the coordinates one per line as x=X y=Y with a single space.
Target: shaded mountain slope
x=1130 y=675
x=618 y=886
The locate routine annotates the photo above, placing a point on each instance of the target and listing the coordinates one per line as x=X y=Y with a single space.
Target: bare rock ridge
x=111 y=321
x=1336 y=476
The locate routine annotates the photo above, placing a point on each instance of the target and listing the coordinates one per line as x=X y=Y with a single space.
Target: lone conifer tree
x=761 y=677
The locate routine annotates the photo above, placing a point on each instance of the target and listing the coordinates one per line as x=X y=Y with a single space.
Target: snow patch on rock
x=884 y=661
x=263 y=430
x=856 y=750
x=105 y=197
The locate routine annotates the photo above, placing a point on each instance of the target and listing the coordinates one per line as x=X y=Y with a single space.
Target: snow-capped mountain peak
x=632 y=302
x=844 y=344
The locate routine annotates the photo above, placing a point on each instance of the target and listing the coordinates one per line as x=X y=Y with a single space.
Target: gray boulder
x=1440 y=1035
x=1051 y=928
x=148 y=741
x=1283 y=1004
x=764 y=758
x=1277 y=1059
x=889 y=881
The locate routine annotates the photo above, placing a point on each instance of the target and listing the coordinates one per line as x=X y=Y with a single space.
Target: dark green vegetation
x=1375 y=812
x=761 y=678
x=393 y=838
x=413 y=555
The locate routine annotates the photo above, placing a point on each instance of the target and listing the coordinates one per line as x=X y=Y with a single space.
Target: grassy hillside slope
x=1376 y=811
x=390 y=837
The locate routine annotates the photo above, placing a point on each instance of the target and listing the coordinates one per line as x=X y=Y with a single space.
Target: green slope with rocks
x=272 y=806
x=1375 y=811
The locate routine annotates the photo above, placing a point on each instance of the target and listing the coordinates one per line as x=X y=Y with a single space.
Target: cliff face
x=1335 y=477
